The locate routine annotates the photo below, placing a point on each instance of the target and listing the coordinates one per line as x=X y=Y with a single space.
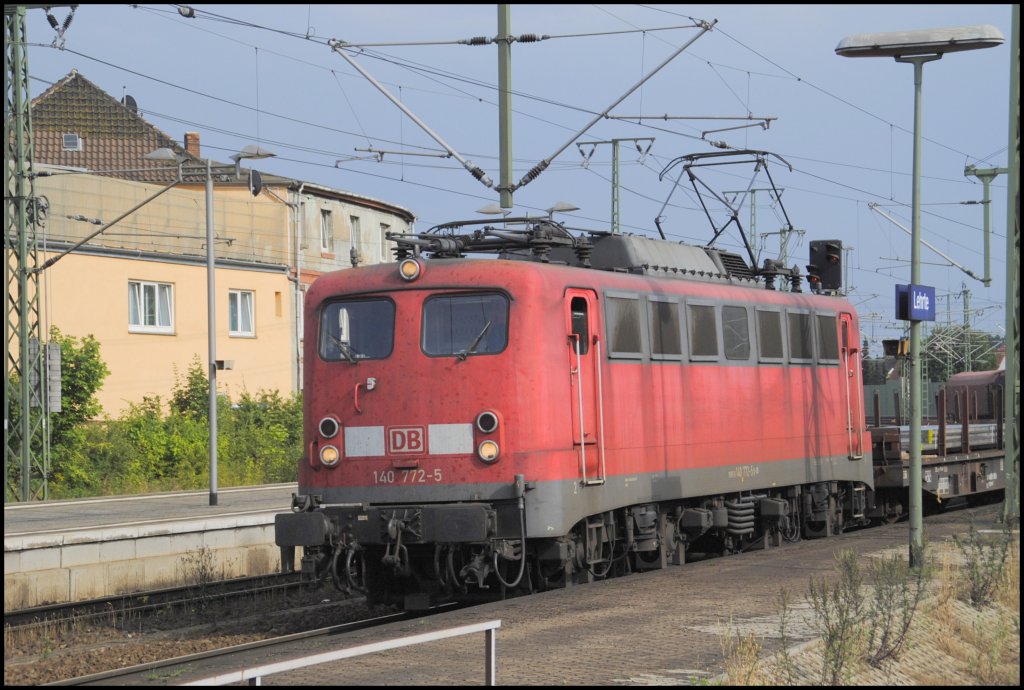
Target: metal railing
x=255 y=674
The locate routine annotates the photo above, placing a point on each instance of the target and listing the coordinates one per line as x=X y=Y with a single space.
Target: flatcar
x=505 y=411
x=963 y=452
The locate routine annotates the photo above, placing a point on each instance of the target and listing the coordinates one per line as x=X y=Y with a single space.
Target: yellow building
x=141 y=287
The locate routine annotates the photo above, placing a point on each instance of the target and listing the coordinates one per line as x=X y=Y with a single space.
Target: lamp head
x=164 y=155
x=899 y=44
x=253 y=152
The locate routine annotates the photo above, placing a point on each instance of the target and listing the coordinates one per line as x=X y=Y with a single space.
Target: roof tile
x=114 y=137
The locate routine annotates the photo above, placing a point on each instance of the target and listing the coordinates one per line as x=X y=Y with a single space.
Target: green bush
x=148 y=449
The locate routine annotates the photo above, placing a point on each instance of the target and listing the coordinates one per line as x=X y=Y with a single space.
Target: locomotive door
x=584 y=355
x=850 y=346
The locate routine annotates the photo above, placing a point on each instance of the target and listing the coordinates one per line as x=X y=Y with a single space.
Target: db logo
x=406 y=439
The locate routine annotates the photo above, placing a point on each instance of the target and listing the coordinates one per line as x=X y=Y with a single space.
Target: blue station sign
x=915 y=303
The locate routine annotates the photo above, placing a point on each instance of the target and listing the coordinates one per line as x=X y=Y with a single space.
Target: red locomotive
x=578 y=407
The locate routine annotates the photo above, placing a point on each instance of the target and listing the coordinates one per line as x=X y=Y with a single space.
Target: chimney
x=192 y=143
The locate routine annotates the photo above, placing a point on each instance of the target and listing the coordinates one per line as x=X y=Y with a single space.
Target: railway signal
x=825 y=271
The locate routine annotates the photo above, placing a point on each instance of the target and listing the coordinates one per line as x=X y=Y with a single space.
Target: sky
x=837 y=133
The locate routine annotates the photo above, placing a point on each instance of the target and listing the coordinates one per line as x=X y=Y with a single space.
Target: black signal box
x=826 y=265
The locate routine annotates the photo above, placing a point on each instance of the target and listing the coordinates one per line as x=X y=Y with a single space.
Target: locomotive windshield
x=357 y=329
x=463 y=325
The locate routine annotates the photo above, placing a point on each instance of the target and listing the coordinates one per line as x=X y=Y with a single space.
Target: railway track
x=217 y=661
x=130 y=607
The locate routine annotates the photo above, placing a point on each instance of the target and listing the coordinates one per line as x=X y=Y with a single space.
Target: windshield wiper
x=476 y=342
x=344 y=348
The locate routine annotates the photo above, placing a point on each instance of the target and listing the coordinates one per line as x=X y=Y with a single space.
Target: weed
x=985 y=557
x=197 y=568
x=839 y=611
x=895 y=594
x=741 y=656
x=783 y=663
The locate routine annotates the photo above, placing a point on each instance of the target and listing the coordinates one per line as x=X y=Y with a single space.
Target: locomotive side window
x=580 y=325
x=801 y=337
x=828 y=339
x=352 y=330
x=735 y=332
x=703 y=331
x=463 y=325
x=624 y=335
x=769 y=335
x=663 y=328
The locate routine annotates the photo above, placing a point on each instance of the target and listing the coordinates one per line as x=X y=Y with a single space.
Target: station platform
x=67 y=551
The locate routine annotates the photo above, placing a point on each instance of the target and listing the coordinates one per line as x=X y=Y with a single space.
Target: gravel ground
x=48 y=655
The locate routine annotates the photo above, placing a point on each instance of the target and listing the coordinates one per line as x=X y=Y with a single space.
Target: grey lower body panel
x=553 y=507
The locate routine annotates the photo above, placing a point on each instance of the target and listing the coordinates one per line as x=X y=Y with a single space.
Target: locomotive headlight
x=488 y=451
x=329 y=427
x=409 y=269
x=487 y=422
x=329 y=456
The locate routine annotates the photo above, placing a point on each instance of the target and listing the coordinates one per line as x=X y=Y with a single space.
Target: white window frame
x=356 y=235
x=326 y=231
x=385 y=244
x=239 y=310
x=159 y=316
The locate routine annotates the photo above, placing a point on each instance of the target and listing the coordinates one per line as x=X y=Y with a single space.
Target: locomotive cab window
x=702 y=326
x=828 y=339
x=464 y=325
x=663 y=328
x=801 y=337
x=352 y=330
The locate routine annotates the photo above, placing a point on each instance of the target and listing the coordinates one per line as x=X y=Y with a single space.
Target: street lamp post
x=249 y=152
x=211 y=331
x=917 y=48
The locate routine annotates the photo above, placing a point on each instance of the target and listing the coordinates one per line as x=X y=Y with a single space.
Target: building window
x=240 y=313
x=385 y=245
x=71 y=142
x=356 y=237
x=150 y=307
x=326 y=232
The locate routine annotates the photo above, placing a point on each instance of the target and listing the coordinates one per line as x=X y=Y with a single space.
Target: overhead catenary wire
x=823 y=178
